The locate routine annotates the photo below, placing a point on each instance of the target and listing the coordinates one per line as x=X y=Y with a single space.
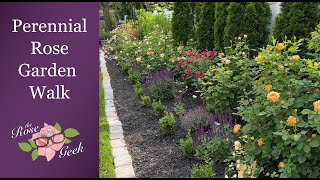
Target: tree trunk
x=106 y=13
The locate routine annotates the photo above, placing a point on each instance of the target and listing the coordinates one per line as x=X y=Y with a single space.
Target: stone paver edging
x=121 y=157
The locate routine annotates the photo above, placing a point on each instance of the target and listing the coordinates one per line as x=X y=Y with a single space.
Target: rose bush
x=282 y=123
x=229 y=79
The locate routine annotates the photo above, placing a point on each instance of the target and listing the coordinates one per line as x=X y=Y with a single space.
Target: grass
x=106 y=168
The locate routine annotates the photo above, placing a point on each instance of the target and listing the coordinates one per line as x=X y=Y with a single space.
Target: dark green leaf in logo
x=57 y=126
x=25 y=147
x=34 y=154
x=33 y=145
x=68 y=141
x=71 y=132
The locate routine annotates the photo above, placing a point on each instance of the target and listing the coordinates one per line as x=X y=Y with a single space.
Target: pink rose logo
x=48 y=141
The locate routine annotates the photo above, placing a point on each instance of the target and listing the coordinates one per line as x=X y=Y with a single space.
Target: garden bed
x=153 y=153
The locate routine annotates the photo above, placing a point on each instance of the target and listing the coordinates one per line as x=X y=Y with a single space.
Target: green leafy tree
x=221 y=14
x=235 y=25
x=182 y=21
x=197 y=14
x=296 y=19
x=205 y=28
x=257 y=18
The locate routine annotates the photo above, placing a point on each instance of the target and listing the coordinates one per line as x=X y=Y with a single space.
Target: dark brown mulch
x=154 y=155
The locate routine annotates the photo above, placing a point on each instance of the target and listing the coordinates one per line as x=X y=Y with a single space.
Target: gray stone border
x=121 y=157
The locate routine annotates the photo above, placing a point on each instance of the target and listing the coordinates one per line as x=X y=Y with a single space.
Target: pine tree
x=182 y=20
x=296 y=19
x=205 y=27
x=196 y=14
x=235 y=25
x=257 y=19
x=221 y=14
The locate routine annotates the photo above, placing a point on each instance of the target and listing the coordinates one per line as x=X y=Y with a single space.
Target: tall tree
x=235 y=25
x=296 y=19
x=221 y=14
x=257 y=20
x=106 y=13
x=205 y=27
x=182 y=20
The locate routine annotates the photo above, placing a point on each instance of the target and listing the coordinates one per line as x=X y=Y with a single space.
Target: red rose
x=190 y=53
x=203 y=74
x=188 y=71
x=179 y=64
x=211 y=53
x=187 y=61
x=197 y=56
x=183 y=78
x=198 y=74
x=204 y=53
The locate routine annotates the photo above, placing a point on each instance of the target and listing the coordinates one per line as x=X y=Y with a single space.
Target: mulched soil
x=154 y=154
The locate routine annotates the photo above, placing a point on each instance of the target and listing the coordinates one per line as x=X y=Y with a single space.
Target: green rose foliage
x=229 y=79
x=293 y=140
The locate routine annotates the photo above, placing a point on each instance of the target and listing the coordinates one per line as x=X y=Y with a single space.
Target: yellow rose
x=317 y=106
x=280 y=46
x=281 y=66
x=292 y=120
x=180 y=47
x=281 y=164
x=241 y=170
x=171 y=60
x=268 y=87
x=295 y=57
x=236 y=128
x=259 y=58
x=213 y=69
x=138 y=59
x=260 y=142
x=237 y=145
x=273 y=96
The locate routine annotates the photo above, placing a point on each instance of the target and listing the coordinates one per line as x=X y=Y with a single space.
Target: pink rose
x=228 y=61
x=49 y=147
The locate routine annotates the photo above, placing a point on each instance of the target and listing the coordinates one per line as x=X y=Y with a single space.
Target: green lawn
x=106 y=162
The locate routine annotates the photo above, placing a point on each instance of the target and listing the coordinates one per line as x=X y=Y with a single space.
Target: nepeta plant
x=161 y=85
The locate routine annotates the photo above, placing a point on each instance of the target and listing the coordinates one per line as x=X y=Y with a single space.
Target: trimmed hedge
x=182 y=22
x=257 y=20
x=205 y=27
x=296 y=19
x=219 y=24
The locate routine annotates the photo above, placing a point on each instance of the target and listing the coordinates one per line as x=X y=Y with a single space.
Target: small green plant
x=202 y=171
x=124 y=67
x=179 y=109
x=187 y=145
x=137 y=86
x=214 y=150
x=167 y=123
x=146 y=100
x=134 y=77
x=158 y=108
x=139 y=91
